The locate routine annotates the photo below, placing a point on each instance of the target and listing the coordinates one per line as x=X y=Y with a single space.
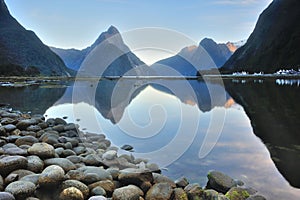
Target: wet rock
x=194 y=191
x=35 y=164
x=236 y=193
x=6 y=120
x=72 y=126
x=50 y=138
x=43 y=150
x=127 y=147
x=160 y=191
x=159 y=178
x=59 y=121
x=21 y=189
x=22 y=172
x=182 y=182
x=107 y=185
x=180 y=194
x=99 y=173
x=98 y=191
x=12 y=138
x=71 y=193
x=52 y=175
x=26 y=140
x=109 y=155
x=11 y=178
x=9 y=127
x=74 y=159
x=210 y=194
x=79 y=150
x=15 y=151
x=33 y=178
x=6 y=196
x=23 y=124
x=62 y=162
x=59 y=128
x=135 y=176
x=67 y=152
x=219 y=181
x=130 y=192
x=77 y=184
x=114 y=172
x=93 y=160
x=34 y=128
x=11 y=163
x=2 y=131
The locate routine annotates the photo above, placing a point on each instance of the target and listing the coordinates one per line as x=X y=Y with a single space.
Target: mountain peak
x=112 y=30
x=3 y=9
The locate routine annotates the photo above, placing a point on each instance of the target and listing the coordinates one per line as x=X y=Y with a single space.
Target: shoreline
x=53 y=160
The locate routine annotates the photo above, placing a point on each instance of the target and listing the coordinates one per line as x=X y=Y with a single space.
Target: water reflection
x=274 y=113
x=35 y=99
x=158 y=107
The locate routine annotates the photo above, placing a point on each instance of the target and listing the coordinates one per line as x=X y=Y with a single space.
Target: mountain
x=21 y=51
x=110 y=42
x=191 y=59
x=274 y=43
x=233 y=46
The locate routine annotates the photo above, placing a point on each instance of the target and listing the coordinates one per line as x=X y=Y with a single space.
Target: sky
x=77 y=23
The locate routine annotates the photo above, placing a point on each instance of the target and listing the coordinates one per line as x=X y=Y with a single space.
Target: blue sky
x=77 y=23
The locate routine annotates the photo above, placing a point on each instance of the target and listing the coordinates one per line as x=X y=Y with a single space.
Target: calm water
x=250 y=130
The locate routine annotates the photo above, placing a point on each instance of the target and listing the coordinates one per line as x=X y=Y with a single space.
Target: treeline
x=17 y=70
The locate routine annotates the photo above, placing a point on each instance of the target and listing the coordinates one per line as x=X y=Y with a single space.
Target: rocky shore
x=53 y=160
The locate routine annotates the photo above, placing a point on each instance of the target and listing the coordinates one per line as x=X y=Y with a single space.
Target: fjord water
x=251 y=125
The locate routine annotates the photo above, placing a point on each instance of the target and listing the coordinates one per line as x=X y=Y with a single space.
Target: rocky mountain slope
x=21 y=51
x=190 y=60
x=110 y=42
x=274 y=43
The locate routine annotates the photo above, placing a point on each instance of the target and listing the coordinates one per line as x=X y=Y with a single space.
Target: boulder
x=130 y=192
x=43 y=150
x=219 y=182
x=160 y=191
x=11 y=163
x=21 y=189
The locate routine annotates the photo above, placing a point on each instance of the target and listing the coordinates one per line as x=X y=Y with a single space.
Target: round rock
x=51 y=175
x=219 y=182
x=11 y=163
x=6 y=196
x=71 y=193
x=130 y=192
x=160 y=191
x=35 y=164
x=21 y=189
x=43 y=150
x=77 y=184
x=62 y=162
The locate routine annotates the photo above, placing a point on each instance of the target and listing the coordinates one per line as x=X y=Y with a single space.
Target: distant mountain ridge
x=190 y=60
x=274 y=43
x=114 y=42
x=21 y=49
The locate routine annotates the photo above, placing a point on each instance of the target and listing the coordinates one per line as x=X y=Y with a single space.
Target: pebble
x=130 y=192
x=51 y=175
x=43 y=150
x=47 y=160
x=11 y=163
x=71 y=193
x=21 y=189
